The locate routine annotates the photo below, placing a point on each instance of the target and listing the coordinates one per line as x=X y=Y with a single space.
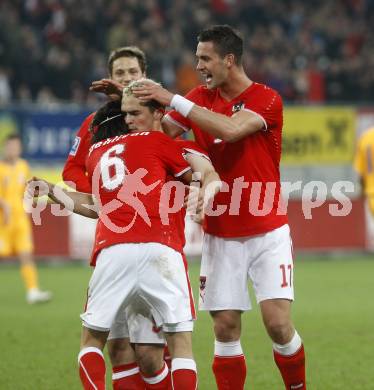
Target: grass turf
x=333 y=312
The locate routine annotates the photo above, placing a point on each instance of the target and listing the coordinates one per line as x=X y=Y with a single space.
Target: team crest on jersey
x=237 y=107
x=74 y=148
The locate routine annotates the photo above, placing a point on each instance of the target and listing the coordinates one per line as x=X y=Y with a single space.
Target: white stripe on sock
x=290 y=348
x=183 y=364
x=231 y=348
x=89 y=350
x=124 y=374
x=88 y=377
x=159 y=378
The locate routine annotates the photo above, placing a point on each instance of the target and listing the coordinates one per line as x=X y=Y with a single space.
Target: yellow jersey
x=364 y=163
x=13 y=179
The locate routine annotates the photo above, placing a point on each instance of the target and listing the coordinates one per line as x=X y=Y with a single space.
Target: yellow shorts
x=16 y=237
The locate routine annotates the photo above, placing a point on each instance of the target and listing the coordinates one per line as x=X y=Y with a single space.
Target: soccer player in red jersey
x=124 y=65
x=148 y=255
x=239 y=123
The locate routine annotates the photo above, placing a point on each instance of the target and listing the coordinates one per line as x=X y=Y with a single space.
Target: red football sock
x=229 y=365
x=159 y=381
x=292 y=369
x=92 y=368
x=127 y=377
x=183 y=373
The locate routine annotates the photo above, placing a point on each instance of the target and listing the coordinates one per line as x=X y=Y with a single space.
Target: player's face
x=138 y=117
x=126 y=69
x=13 y=149
x=211 y=65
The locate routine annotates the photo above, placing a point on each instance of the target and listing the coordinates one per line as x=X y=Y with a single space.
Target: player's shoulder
x=265 y=90
x=187 y=144
x=22 y=163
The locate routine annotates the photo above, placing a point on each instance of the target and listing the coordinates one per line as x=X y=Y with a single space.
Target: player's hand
x=36 y=187
x=149 y=90
x=109 y=87
x=194 y=201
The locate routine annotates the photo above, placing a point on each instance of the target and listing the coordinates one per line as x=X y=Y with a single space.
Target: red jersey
x=252 y=162
x=127 y=174
x=75 y=166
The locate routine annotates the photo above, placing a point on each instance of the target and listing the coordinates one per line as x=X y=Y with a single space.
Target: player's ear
x=158 y=114
x=229 y=60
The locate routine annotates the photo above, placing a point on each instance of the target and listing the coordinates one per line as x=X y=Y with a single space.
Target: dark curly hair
x=108 y=122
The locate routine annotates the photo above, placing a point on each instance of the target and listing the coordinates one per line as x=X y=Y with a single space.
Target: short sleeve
x=171 y=155
x=269 y=108
x=192 y=147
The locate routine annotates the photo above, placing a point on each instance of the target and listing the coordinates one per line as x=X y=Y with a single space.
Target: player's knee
x=150 y=360
x=280 y=331
x=120 y=352
x=227 y=326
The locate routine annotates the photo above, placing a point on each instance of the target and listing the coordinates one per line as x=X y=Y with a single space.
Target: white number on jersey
x=114 y=163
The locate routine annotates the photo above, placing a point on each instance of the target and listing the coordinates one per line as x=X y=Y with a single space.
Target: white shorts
x=127 y=274
x=137 y=324
x=228 y=263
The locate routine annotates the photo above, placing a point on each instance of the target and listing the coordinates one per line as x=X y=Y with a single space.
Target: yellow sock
x=30 y=276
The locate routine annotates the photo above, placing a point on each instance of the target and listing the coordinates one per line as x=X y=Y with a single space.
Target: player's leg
x=166 y=288
x=288 y=348
x=91 y=359
x=23 y=247
x=126 y=373
x=223 y=291
x=229 y=366
x=183 y=366
x=153 y=367
x=149 y=342
x=111 y=288
x=125 y=369
x=271 y=272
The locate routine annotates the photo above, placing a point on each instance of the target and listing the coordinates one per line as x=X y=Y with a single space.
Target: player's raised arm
x=77 y=202
x=229 y=129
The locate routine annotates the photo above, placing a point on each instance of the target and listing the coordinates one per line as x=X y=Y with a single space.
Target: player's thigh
x=271 y=267
x=23 y=232
x=111 y=286
x=165 y=285
x=179 y=344
x=224 y=275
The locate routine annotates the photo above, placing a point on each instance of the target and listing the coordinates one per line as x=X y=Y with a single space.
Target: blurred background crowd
x=310 y=51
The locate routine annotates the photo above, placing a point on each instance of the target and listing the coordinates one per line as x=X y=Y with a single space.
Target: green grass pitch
x=333 y=311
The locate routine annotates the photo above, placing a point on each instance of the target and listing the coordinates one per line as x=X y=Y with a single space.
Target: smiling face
x=126 y=69
x=138 y=117
x=211 y=65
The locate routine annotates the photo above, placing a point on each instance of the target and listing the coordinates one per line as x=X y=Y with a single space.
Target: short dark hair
x=127 y=51
x=225 y=39
x=108 y=122
x=13 y=136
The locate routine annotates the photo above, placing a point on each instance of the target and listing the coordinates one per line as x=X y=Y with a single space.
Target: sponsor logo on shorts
x=202 y=287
